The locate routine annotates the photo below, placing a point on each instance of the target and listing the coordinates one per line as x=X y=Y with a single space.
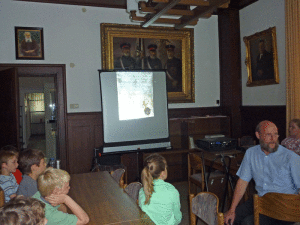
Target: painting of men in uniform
x=152 y=62
x=126 y=61
x=150 y=54
x=174 y=70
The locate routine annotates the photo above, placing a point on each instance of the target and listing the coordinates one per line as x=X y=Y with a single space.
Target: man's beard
x=266 y=146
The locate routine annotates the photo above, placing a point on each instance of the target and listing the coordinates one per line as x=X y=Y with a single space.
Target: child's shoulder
x=6 y=177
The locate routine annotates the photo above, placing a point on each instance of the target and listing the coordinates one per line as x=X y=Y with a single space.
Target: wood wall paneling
x=84 y=134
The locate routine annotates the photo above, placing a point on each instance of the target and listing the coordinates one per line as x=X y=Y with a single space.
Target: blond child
x=53 y=188
x=8 y=183
x=23 y=210
x=159 y=199
x=32 y=164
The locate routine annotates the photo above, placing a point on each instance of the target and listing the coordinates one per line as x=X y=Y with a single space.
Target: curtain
x=292 y=32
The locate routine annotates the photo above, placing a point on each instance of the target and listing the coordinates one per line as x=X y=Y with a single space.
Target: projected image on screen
x=135 y=95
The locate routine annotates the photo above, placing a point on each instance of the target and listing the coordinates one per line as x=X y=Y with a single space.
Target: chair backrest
x=195 y=164
x=284 y=207
x=118 y=176
x=246 y=141
x=205 y=206
x=2 y=197
x=133 y=190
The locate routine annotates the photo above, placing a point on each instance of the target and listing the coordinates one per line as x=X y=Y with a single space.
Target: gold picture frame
x=261 y=58
x=139 y=40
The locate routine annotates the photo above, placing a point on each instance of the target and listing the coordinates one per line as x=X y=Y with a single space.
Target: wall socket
x=74 y=106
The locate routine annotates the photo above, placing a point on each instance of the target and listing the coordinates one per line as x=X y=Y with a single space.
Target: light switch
x=74 y=106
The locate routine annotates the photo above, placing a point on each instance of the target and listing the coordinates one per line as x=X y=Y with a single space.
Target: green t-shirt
x=164 y=206
x=54 y=216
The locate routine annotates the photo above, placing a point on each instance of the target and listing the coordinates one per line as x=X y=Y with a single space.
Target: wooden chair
x=118 y=176
x=246 y=142
x=133 y=190
x=205 y=206
x=284 y=207
x=2 y=197
x=195 y=165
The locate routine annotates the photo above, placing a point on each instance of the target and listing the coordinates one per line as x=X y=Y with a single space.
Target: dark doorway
x=10 y=113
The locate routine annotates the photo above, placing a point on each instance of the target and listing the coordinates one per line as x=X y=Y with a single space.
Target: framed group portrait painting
x=131 y=47
x=261 y=58
x=29 y=43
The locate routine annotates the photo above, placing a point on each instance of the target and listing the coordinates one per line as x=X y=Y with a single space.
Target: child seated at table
x=159 y=199
x=8 y=183
x=32 y=163
x=23 y=210
x=53 y=188
x=17 y=174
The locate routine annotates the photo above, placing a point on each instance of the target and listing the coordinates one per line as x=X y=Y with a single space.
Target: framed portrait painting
x=261 y=58
x=29 y=43
x=130 y=47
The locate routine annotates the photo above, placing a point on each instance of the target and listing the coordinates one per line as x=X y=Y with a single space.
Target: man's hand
x=229 y=217
x=55 y=200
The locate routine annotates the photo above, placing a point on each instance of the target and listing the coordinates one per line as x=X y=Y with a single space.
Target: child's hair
x=9 y=148
x=29 y=158
x=51 y=179
x=153 y=166
x=5 y=156
x=22 y=210
x=296 y=121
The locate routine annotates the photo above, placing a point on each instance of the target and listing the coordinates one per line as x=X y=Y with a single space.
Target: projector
x=217 y=144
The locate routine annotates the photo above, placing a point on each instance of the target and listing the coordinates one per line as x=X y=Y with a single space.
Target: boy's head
x=23 y=210
x=8 y=161
x=32 y=161
x=53 y=181
x=9 y=148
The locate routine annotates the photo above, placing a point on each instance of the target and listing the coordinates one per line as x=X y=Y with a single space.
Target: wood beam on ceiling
x=201 y=11
x=148 y=9
x=134 y=17
x=186 y=2
x=161 y=12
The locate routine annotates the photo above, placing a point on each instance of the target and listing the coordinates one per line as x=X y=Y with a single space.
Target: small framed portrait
x=130 y=47
x=261 y=58
x=29 y=43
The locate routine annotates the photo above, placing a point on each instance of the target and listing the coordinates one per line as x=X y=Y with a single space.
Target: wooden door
x=9 y=108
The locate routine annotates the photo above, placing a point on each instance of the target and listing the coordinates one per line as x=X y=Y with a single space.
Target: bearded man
x=273 y=167
x=29 y=47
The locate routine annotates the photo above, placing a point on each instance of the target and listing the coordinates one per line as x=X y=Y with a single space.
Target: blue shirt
x=164 y=206
x=277 y=172
x=9 y=185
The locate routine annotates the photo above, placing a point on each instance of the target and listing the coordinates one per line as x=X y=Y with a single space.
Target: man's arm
x=239 y=192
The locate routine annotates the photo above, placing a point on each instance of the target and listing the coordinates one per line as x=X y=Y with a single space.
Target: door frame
x=59 y=70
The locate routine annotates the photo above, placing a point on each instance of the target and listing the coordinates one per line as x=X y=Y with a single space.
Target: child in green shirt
x=159 y=199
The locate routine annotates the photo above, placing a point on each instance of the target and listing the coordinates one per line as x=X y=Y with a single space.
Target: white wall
x=257 y=17
x=73 y=36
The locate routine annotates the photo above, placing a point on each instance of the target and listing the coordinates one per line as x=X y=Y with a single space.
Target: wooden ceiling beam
x=201 y=11
x=148 y=9
x=161 y=12
x=186 y=2
x=134 y=17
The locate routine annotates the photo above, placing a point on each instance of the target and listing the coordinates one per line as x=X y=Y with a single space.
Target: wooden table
x=215 y=160
x=104 y=201
x=236 y=159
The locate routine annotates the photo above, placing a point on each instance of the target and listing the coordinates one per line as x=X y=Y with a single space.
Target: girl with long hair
x=159 y=199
